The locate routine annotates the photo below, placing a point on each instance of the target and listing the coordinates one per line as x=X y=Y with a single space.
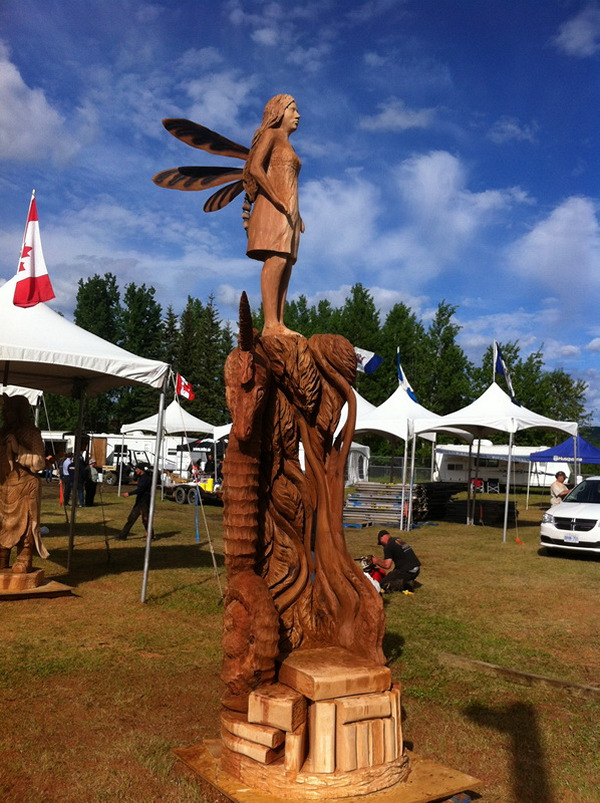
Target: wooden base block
x=364 y=706
x=295 y=750
x=327 y=672
x=278 y=706
x=426 y=782
x=51 y=589
x=261 y=734
x=9 y=581
x=257 y=752
x=321 y=736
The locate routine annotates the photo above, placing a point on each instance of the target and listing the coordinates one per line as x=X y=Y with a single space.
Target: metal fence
x=383 y=468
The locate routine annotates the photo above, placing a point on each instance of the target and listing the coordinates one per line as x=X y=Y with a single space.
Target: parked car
x=574 y=524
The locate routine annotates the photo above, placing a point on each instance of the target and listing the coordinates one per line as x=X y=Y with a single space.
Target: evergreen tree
x=143 y=336
x=403 y=330
x=209 y=403
x=359 y=323
x=448 y=385
x=171 y=335
x=98 y=309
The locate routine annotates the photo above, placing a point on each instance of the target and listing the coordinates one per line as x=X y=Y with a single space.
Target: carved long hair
x=272 y=117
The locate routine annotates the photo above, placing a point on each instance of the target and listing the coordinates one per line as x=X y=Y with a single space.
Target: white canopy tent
x=42 y=350
x=175 y=421
x=495 y=410
x=394 y=417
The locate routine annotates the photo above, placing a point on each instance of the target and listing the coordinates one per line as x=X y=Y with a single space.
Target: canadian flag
x=184 y=388
x=33 y=283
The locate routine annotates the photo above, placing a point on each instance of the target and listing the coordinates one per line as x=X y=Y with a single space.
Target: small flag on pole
x=402 y=380
x=367 y=361
x=500 y=367
x=33 y=283
x=184 y=388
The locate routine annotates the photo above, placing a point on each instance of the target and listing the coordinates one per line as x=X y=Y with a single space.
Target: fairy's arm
x=261 y=154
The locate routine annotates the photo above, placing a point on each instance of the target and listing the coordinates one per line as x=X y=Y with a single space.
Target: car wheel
x=180 y=496
x=192 y=496
x=111 y=478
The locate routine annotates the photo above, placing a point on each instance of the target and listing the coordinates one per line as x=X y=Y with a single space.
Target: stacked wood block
x=330 y=712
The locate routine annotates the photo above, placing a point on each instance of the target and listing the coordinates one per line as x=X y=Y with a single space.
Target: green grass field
x=97 y=688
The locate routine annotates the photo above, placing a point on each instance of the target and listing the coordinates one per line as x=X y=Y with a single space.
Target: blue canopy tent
x=568 y=451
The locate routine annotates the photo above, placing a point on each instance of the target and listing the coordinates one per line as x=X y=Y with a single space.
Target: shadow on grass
x=91 y=563
x=529 y=766
x=568 y=554
x=393 y=644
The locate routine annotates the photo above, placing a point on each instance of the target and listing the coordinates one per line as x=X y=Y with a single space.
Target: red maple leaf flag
x=184 y=388
x=33 y=283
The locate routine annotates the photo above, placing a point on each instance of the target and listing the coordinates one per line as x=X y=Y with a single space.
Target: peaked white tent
x=42 y=350
x=495 y=410
x=175 y=420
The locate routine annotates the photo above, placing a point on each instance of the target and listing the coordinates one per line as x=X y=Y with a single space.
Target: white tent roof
x=41 y=349
x=395 y=417
x=364 y=408
x=176 y=419
x=494 y=410
x=33 y=396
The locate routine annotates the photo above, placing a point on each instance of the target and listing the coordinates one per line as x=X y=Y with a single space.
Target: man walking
x=141 y=506
x=406 y=564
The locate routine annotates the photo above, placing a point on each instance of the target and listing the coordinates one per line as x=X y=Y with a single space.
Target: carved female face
x=291 y=118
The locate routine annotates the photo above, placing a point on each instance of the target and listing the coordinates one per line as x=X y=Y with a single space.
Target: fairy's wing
x=223 y=196
x=196 y=178
x=200 y=137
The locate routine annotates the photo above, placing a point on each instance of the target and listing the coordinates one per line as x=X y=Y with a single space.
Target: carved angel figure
x=270 y=179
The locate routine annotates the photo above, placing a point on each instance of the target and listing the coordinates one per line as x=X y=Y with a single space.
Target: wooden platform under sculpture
x=309 y=708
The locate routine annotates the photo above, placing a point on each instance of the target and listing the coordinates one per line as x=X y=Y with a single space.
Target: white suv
x=574 y=524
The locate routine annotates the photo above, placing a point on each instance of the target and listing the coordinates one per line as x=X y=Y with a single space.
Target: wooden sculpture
x=21 y=457
x=310 y=710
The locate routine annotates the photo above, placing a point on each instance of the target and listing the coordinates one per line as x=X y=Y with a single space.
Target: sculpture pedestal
x=427 y=781
x=20 y=582
x=31 y=584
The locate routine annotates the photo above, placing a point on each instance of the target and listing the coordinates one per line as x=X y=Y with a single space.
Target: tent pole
x=75 y=489
x=474 y=502
x=510 y=448
x=412 y=483
x=528 y=484
x=433 y=453
x=403 y=498
x=469 y=493
x=155 y=469
x=120 y=463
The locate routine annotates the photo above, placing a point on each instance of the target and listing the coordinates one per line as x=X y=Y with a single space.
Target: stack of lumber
x=487 y=512
x=376 y=503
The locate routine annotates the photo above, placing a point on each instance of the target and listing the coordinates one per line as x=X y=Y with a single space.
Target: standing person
x=66 y=477
x=91 y=479
x=141 y=506
x=558 y=489
x=274 y=227
x=406 y=564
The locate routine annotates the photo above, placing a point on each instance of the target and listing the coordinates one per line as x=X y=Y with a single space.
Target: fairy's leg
x=274 y=282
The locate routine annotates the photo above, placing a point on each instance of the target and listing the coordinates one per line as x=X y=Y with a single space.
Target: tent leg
x=403 y=499
x=510 y=447
x=155 y=470
x=75 y=489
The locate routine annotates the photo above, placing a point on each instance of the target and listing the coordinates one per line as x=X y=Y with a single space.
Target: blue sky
x=449 y=148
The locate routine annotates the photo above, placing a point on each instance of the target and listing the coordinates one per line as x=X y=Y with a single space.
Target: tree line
x=196 y=343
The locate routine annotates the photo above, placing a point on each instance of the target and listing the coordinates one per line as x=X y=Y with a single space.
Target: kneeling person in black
x=406 y=564
x=141 y=506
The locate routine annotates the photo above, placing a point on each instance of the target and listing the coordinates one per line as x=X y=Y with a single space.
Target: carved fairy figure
x=270 y=179
x=21 y=457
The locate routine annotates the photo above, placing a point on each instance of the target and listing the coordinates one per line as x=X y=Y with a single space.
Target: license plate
x=571 y=539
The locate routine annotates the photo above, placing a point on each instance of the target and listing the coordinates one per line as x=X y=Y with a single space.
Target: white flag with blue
x=402 y=380
x=367 y=361
x=501 y=368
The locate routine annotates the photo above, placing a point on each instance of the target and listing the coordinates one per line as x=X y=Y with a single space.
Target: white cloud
x=509 y=128
x=216 y=98
x=562 y=252
x=580 y=36
x=594 y=345
x=31 y=130
x=395 y=116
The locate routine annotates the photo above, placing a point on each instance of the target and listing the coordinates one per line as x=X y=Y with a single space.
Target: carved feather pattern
x=223 y=196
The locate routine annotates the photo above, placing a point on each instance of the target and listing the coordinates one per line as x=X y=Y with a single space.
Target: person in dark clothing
x=91 y=480
x=141 y=506
x=400 y=555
